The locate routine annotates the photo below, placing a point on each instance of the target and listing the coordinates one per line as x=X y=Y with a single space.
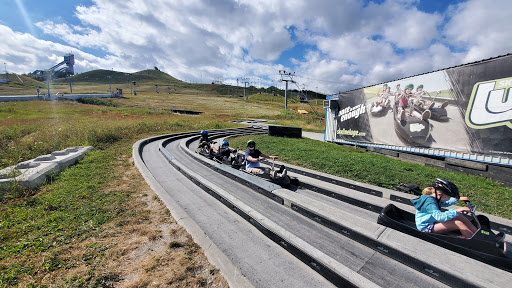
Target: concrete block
x=386 y=152
x=501 y=174
x=28 y=174
x=467 y=164
x=72 y=156
x=466 y=170
x=435 y=163
x=412 y=158
x=284 y=131
x=33 y=173
x=362 y=148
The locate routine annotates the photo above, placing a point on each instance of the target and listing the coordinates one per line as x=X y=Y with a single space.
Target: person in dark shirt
x=252 y=161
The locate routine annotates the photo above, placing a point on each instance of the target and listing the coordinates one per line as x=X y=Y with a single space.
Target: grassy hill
x=267 y=97
x=16 y=80
x=101 y=81
x=95 y=81
x=101 y=76
x=19 y=85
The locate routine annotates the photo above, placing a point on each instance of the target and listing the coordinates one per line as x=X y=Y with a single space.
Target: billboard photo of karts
x=466 y=109
x=420 y=109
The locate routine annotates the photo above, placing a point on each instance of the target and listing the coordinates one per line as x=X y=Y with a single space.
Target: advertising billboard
x=466 y=108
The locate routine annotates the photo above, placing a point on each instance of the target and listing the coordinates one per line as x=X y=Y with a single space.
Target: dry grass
x=147 y=250
x=152 y=259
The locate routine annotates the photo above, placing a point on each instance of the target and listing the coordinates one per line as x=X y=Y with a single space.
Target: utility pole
x=109 y=84
x=286 y=77
x=128 y=78
x=305 y=90
x=245 y=81
x=48 y=76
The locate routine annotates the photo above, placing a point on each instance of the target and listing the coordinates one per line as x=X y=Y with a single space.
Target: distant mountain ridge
x=101 y=76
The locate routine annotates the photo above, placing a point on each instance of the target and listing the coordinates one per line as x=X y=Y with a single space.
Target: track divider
x=371 y=196
x=323 y=264
x=415 y=253
x=232 y=274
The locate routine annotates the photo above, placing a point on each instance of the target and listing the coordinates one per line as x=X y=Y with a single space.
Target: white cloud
x=23 y=53
x=401 y=23
x=181 y=37
x=348 y=44
x=481 y=28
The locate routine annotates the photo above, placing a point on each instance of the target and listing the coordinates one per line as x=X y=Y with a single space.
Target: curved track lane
x=260 y=261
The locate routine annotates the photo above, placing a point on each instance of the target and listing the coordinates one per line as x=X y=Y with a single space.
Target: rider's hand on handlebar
x=464 y=199
x=464 y=210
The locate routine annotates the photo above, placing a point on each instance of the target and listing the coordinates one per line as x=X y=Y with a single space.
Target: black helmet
x=447 y=187
x=251 y=142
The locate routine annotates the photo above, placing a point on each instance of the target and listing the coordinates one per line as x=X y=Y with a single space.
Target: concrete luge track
x=244 y=256
x=346 y=256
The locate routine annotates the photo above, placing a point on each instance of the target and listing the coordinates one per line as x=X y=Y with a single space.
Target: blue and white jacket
x=427 y=211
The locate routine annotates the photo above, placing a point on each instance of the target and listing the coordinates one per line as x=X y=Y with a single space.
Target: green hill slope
x=20 y=80
x=101 y=76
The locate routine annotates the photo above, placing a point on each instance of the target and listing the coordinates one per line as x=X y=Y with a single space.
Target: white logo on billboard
x=490 y=104
x=351 y=112
x=416 y=127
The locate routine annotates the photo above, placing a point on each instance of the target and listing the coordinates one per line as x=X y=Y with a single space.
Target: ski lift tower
x=68 y=69
x=69 y=62
x=286 y=77
x=304 y=99
x=245 y=81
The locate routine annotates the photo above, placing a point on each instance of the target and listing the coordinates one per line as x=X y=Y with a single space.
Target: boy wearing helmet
x=383 y=97
x=403 y=104
x=253 y=157
x=430 y=218
x=224 y=151
x=205 y=142
x=403 y=101
x=425 y=103
x=418 y=98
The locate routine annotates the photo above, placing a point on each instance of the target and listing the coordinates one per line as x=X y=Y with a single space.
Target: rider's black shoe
x=281 y=169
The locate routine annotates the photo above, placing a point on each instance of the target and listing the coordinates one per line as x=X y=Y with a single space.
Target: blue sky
x=331 y=45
